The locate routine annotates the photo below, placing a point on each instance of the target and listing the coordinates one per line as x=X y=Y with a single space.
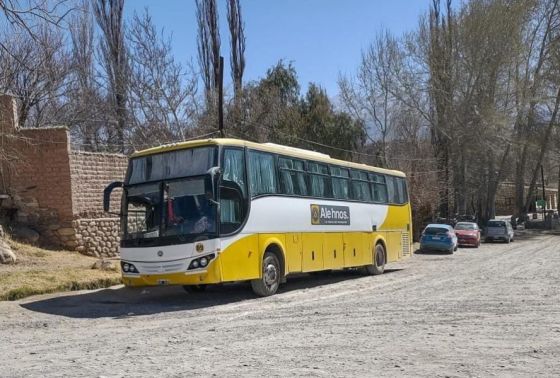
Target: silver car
x=498 y=229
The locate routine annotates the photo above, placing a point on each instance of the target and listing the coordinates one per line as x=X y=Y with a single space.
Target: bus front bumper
x=210 y=275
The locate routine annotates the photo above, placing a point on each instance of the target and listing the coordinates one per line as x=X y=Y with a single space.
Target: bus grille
x=405 y=242
x=155 y=268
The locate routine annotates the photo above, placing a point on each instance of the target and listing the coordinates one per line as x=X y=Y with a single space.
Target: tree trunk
x=543 y=149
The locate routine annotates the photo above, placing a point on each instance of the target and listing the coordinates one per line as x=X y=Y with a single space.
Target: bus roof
x=267 y=147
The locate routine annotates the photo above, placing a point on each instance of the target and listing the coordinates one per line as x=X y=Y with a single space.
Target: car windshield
x=435 y=230
x=465 y=226
x=182 y=209
x=496 y=224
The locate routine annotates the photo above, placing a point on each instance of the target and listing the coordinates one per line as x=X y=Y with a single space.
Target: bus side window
x=234 y=167
x=262 y=171
x=233 y=191
x=391 y=192
x=404 y=190
x=340 y=182
x=379 y=188
x=319 y=180
x=360 y=186
x=292 y=176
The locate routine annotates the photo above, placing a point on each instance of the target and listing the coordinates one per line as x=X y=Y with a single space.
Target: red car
x=468 y=234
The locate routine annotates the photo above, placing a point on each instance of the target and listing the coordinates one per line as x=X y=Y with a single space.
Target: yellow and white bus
x=222 y=210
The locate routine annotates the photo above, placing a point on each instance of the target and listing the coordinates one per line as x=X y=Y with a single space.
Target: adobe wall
x=39 y=183
x=57 y=191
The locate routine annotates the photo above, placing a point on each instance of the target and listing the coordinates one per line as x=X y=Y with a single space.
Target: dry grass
x=40 y=271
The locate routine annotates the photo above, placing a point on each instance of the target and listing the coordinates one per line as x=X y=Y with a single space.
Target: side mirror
x=107 y=194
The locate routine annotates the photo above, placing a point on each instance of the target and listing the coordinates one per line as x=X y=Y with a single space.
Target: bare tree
x=237 y=41
x=369 y=96
x=162 y=90
x=85 y=109
x=34 y=70
x=531 y=63
x=109 y=17
x=208 y=48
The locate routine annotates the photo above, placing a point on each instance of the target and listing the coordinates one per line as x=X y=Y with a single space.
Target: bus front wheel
x=271 y=275
x=378 y=266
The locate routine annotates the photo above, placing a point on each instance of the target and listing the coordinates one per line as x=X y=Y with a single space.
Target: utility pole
x=543 y=193
x=221 y=99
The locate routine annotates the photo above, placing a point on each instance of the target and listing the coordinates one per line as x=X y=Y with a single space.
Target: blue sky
x=321 y=37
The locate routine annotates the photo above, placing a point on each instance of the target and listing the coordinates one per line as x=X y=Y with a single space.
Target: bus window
x=379 y=188
x=360 y=186
x=232 y=191
x=403 y=193
x=262 y=172
x=391 y=189
x=319 y=179
x=340 y=182
x=234 y=167
x=292 y=176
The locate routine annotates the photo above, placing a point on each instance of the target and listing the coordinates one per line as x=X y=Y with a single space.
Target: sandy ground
x=493 y=311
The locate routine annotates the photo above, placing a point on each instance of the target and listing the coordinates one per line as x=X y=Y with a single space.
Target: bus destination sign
x=330 y=215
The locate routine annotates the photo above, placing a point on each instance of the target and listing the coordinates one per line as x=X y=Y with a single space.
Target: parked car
x=497 y=229
x=468 y=234
x=438 y=237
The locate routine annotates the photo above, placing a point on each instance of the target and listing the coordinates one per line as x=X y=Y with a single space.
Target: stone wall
x=97 y=237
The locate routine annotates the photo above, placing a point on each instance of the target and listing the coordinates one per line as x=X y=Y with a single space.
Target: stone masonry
x=57 y=191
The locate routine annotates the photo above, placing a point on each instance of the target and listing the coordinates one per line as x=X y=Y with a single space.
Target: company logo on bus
x=330 y=215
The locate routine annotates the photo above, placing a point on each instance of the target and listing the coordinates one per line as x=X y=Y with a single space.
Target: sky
x=322 y=38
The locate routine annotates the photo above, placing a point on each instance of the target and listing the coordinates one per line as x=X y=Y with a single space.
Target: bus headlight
x=201 y=262
x=128 y=268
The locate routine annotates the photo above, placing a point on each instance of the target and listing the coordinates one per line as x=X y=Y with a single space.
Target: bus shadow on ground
x=122 y=302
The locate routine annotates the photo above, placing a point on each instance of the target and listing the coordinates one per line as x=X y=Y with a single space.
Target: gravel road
x=492 y=311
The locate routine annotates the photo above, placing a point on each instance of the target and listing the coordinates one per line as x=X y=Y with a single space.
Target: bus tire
x=271 y=276
x=379 y=260
x=194 y=288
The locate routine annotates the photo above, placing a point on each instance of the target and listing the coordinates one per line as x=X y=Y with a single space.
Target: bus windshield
x=173 y=164
x=167 y=195
x=182 y=209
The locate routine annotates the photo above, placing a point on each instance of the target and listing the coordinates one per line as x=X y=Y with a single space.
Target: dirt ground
x=493 y=311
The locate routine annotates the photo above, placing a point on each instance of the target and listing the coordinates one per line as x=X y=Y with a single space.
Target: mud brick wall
x=91 y=173
x=57 y=191
x=39 y=183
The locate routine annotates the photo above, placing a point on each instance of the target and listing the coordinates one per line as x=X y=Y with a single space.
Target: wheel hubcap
x=270 y=274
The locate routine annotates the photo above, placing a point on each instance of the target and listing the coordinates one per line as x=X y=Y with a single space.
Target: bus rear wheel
x=378 y=266
x=271 y=275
